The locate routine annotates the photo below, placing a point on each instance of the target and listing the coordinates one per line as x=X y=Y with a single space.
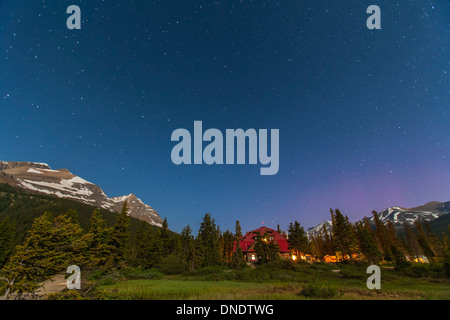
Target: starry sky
x=363 y=114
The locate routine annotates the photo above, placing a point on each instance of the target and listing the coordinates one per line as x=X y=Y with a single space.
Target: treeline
x=379 y=241
x=54 y=243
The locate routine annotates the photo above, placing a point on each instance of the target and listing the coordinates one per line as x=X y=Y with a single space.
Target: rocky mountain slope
x=40 y=178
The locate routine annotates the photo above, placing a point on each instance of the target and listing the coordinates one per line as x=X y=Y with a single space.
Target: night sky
x=363 y=114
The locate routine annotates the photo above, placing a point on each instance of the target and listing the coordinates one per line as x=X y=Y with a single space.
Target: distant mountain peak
x=428 y=212
x=40 y=178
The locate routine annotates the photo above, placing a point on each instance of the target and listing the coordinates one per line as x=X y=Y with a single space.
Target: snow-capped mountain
x=40 y=178
x=427 y=212
x=318 y=230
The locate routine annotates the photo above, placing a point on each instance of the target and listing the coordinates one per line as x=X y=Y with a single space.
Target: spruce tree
x=142 y=243
x=164 y=238
x=447 y=255
x=382 y=237
x=412 y=245
x=7 y=231
x=50 y=247
x=344 y=239
x=238 y=259
x=367 y=243
x=298 y=241
x=97 y=240
x=422 y=239
x=328 y=249
x=119 y=238
x=238 y=230
x=187 y=247
x=210 y=241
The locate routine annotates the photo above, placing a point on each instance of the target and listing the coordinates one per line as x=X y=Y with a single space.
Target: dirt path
x=54 y=285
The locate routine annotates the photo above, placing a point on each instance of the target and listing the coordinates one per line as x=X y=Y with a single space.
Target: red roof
x=246 y=242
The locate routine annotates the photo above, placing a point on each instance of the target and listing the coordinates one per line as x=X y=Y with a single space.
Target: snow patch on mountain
x=40 y=178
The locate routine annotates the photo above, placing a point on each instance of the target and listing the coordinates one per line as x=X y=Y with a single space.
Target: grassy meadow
x=270 y=282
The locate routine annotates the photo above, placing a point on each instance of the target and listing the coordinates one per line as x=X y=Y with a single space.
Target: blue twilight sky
x=363 y=114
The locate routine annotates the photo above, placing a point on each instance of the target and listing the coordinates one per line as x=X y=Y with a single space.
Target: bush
x=66 y=295
x=138 y=273
x=417 y=270
x=172 y=264
x=317 y=291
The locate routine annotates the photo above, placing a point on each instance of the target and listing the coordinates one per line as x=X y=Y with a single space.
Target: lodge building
x=248 y=241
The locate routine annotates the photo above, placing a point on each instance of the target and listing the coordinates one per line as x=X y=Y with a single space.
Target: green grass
x=221 y=284
x=188 y=290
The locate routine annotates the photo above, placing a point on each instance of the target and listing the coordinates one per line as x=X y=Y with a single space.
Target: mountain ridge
x=429 y=212
x=40 y=178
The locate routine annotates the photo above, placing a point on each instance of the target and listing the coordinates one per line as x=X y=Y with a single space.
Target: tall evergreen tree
x=432 y=239
x=412 y=245
x=188 y=247
x=238 y=259
x=7 y=231
x=238 y=230
x=328 y=245
x=140 y=253
x=228 y=246
x=422 y=239
x=382 y=237
x=367 y=243
x=344 y=239
x=266 y=249
x=119 y=238
x=210 y=241
x=447 y=254
x=297 y=239
x=50 y=247
x=164 y=238
x=97 y=241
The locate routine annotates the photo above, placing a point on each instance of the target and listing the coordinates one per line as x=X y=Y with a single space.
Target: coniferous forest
x=122 y=250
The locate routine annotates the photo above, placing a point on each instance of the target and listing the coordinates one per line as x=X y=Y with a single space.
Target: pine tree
x=328 y=245
x=344 y=239
x=156 y=250
x=210 y=241
x=447 y=255
x=432 y=239
x=238 y=259
x=50 y=247
x=142 y=243
x=298 y=241
x=164 y=238
x=412 y=245
x=422 y=239
x=382 y=237
x=398 y=258
x=238 y=230
x=97 y=241
x=228 y=246
x=367 y=243
x=119 y=238
x=188 y=247
x=7 y=231
x=261 y=249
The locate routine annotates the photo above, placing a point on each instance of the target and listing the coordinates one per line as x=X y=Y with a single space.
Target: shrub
x=66 y=295
x=172 y=264
x=417 y=270
x=138 y=273
x=317 y=291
